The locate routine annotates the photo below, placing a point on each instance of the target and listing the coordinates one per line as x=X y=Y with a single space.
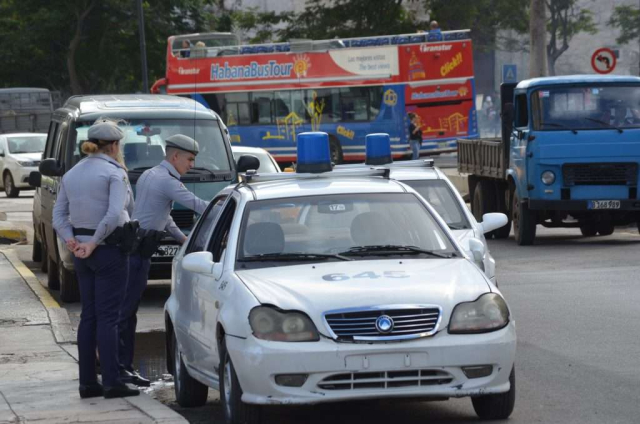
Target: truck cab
x=568 y=156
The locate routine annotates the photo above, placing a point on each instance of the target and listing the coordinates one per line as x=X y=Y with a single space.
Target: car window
x=220 y=236
x=27 y=144
x=205 y=225
x=441 y=197
x=334 y=224
x=51 y=137
x=266 y=164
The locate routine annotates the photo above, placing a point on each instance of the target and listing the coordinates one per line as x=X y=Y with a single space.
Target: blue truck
x=568 y=156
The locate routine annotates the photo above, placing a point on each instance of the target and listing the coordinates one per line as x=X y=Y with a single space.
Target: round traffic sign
x=603 y=61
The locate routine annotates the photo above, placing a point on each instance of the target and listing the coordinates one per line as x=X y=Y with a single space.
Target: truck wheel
x=189 y=392
x=335 y=151
x=53 y=278
x=235 y=410
x=605 y=228
x=498 y=406
x=483 y=202
x=503 y=206
x=69 y=289
x=36 y=251
x=588 y=230
x=9 y=186
x=524 y=222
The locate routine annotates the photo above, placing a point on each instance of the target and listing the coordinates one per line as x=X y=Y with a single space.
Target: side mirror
x=476 y=247
x=202 y=263
x=493 y=221
x=50 y=168
x=35 y=179
x=247 y=162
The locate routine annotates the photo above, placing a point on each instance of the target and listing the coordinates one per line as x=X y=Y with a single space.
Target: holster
x=149 y=242
x=129 y=239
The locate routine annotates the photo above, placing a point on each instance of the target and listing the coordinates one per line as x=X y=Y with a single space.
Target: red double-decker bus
x=269 y=93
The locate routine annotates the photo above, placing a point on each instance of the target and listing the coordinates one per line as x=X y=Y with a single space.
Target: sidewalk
x=38 y=369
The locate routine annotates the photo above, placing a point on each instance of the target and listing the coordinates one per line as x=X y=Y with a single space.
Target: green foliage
x=627 y=19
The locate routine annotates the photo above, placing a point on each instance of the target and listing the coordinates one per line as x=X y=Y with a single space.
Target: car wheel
x=588 y=230
x=524 y=222
x=498 y=406
x=605 y=228
x=9 y=186
x=36 y=251
x=189 y=392
x=69 y=289
x=235 y=411
x=53 y=278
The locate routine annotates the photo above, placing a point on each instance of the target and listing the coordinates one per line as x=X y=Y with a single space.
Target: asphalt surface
x=575 y=302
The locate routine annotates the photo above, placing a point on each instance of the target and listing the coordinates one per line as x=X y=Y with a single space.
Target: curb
x=58 y=316
x=14 y=235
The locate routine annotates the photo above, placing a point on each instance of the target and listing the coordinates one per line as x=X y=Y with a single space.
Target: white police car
x=332 y=286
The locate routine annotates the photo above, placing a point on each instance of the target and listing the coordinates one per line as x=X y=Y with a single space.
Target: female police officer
x=94 y=199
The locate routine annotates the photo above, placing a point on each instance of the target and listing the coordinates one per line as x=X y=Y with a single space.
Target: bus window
x=297 y=104
x=354 y=102
x=324 y=102
x=261 y=108
x=375 y=99
x=281 y=104
x=237 y=109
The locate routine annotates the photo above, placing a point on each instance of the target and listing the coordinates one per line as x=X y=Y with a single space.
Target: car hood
x=317 y=288
x=463 y=237
x=27 y=156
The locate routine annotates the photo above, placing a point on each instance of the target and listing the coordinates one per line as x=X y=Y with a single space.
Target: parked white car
x=267 y=163
x=20 y=154
x=311 y=288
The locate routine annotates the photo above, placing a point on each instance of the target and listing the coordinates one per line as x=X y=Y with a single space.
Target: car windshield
x=30 y=144
x=439 y=195
x=586 y=107
x=266 y=164
x=339 y=227
x=143 y=146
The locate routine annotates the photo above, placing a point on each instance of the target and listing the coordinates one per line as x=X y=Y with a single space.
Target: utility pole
x=537 y=40
x=143 y=48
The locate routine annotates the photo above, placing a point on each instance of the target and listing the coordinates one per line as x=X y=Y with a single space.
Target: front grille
x=600 y=174
x=408 y=323
x=385 y=380
x=183 y=217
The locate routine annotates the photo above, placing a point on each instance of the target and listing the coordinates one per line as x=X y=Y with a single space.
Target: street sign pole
x=143 y=48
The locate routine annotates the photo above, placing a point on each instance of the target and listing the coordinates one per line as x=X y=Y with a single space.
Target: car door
x=210 y=291
x=187 y=320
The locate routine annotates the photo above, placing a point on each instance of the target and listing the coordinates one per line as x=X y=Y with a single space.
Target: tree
x=627 y=19
x=565 y=21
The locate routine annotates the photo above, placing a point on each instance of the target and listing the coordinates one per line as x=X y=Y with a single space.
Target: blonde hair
x=91 y=146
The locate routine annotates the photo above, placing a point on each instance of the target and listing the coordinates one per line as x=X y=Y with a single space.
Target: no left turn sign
x=603 y=61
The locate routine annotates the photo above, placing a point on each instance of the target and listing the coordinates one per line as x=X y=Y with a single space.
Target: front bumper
x=424 y=368
x=579 y=205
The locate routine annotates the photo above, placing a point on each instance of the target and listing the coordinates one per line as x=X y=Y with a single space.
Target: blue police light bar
x=314 y=155
x=378 y=149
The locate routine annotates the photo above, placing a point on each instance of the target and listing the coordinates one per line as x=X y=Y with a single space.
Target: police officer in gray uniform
x=156 y=190
x=94 y=200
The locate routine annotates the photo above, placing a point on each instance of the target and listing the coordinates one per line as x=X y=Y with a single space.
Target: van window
x=53 y=132
x=522 y=113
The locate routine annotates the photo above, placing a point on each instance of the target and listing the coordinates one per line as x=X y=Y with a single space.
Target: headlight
x=26 y=163
x=269 y=323
x=488 y=313
x=548 y=177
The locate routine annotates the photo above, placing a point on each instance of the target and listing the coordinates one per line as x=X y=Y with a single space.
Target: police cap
x=104 y=129
x=182 y=142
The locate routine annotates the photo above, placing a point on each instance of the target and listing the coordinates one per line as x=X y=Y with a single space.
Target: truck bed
x=482 y=157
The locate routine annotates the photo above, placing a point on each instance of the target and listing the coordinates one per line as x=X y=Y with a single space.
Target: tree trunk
x=74 y=79
x=537 y=40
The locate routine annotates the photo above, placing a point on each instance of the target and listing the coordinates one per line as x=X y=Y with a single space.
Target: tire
x=9 y=186
x=36 y=251
x=503 y=201
x=498 y=406
x=53 y=277
x=69 y=289
x=335 y=151
x=605 y=228
x=44 y=264
x=235 y=411
x=189 y=392
x=483 y=202
x=524 y=222
x=588 y=230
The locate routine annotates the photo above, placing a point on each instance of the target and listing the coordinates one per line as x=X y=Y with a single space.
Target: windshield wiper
x=553 y=124
x=610 y=125
x=391 y=249
x=200 y=170
x=292 y=257
x=457 y=227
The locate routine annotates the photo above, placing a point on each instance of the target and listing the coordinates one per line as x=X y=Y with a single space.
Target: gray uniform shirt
x=156 y=190
x=95 y=194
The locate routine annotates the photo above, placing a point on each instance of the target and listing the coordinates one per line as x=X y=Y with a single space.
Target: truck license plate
x=604 y=204
x=166 y=251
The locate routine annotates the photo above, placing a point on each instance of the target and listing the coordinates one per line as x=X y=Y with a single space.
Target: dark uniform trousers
x=102 y=279
x=137 y=283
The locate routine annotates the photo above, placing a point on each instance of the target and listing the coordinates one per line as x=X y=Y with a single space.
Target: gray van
x=148 y=121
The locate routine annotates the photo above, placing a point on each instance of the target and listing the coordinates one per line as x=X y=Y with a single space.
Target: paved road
x=575 y=301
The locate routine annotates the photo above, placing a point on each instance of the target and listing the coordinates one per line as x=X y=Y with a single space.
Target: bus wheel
x=336 y=151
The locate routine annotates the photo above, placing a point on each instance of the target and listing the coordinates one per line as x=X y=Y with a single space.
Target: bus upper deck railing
x=305 y=45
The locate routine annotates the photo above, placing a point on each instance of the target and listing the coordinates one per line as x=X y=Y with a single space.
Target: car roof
x=291 y=187
x=247 y=149
x=132 y=106
x=23 y=134
x=404 y=174
x=577 y=79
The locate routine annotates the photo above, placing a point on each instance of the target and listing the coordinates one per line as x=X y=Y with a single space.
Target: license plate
x=604 y=204
x=166 y=251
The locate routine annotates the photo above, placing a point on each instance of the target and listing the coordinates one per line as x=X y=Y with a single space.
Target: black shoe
x=90 y=390
x=134 y=378
x=120 y=391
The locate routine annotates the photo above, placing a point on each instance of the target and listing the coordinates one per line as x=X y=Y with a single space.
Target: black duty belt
x=114 y=238
x=83 y=232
